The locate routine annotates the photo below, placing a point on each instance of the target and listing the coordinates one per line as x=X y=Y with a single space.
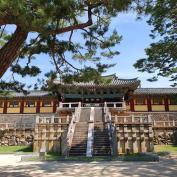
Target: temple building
x=89 y=119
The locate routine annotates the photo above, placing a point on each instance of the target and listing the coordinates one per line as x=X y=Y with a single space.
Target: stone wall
x=133 y=138
x=15 y=137
x=8 y=118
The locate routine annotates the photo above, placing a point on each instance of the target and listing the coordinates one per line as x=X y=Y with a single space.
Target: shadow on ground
x=166 y=167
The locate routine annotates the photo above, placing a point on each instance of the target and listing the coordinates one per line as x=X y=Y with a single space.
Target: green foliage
x=6 y=87
x=88 y=74
x=49 y=19
x=32 y=71
x=161 y=55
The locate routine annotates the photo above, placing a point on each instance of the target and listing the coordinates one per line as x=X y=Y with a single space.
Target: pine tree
x=49 y=20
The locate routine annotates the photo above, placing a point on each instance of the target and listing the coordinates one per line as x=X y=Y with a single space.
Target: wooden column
x=149 y=104
x=5 y=107
x=54 y=106
x=132 y=106
x=166 y=104
x=22 y=107
x=38 y=106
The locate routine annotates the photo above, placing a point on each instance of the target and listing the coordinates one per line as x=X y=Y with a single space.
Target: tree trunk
x=10 y=50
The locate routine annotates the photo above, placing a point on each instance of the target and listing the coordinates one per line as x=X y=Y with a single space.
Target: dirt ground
x=11 y=166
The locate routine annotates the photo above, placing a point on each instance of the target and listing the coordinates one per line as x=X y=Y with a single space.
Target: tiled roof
x=114 y=82
x=33 y=93
x=155 y=91
x=138 y=91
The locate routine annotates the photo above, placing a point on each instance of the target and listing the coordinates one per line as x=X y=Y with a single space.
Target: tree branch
x=72 y=27
x=63 y=58
x=10 y=50
x=2 y=31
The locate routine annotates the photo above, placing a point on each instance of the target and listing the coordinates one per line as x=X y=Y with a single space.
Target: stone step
x=80 y=135
x=100 y=135
x=78 y=144
x=101 y=145
x=101 y=154
x=101 y=150
x=83 y=141
x=102 y=141
x=77 y=154
x=78 y=150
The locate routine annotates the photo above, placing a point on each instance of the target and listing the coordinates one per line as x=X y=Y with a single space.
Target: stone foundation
x=16 y=137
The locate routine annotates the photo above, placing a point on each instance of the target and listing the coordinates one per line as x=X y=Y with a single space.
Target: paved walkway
x=11 y=166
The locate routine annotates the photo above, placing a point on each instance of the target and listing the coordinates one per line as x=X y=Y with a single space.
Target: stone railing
x=17 y=126
x=166 y=124
x=117 y=105
x=111 y=128
x=69 y=105
x=53 y=119
x=90 y=138
x=77 y=112
x=132 y=119
x=67 y=141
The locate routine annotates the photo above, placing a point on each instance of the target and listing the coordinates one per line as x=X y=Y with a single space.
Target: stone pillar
x=51 y=135
x=142 y=139
x=37 y=119
x=118 y=139
x=151 y=144
x=125 y=138
x=143 y=145
x=52 y=119
x=134 y=139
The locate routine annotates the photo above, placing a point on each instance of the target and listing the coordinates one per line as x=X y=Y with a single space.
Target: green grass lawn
x=165 y=148
x=14 y=149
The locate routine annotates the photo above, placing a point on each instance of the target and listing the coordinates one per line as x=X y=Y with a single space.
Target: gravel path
x=11 y=166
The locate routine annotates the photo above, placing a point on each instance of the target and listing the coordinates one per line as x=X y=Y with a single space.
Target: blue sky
x=135 y=40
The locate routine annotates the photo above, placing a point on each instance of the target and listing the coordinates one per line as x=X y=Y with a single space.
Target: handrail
x=67 y=141
x=111 y=128
x=90 y=138
x=67 y=138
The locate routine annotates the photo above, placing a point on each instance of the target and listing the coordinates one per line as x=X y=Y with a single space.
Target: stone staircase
x=98 y=117
x=101 y=145
x=101 y=140
x=79 y=142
